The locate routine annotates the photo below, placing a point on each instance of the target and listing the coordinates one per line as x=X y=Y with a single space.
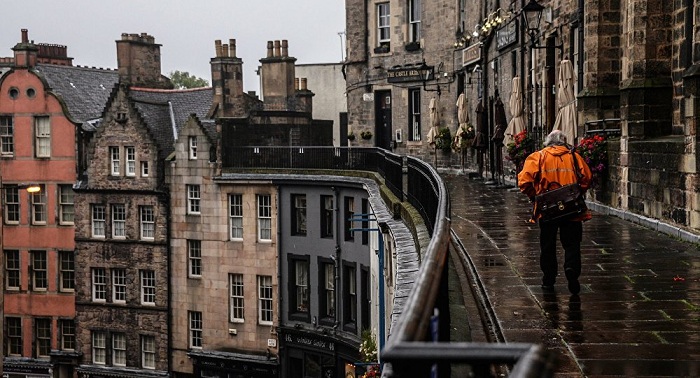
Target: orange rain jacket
x=550 y=168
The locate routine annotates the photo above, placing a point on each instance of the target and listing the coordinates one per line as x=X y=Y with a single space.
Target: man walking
x=546 y=169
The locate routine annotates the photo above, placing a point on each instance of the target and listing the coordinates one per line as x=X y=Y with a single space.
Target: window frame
x=99 y=348
x=236 y=216
x=298 y=214
x=98 y=221
x=150 y=341
x=67 y=338
x=326 y=221
x=264 y=202
x=118 y=221
x=350 y=296
x=66 y=204
x=194 y=198
x=42 y=136
x=147 y=222
x=99 y=284
x=119 y=285
x=13 y=327
x=66 y=271
x=130 y=155
x=13 y=273
x=12 y=204
x=415 y=127
x=118 y=349
x=327 y=290
x=414 y=20
x=39 y=270
x=114 y=161
x=349 y=213
x=148 y=287
x=192 y=147
x=42 y=337
x=299 y=287
x=144 y=169
x=7 y=135
x=194 y=258
x=39 y=202
x=236 y=298
x=265 y=300
x=383 y=24
x=195 y=324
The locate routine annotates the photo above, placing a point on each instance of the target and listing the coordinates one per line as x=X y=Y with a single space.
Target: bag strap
x=576 y=170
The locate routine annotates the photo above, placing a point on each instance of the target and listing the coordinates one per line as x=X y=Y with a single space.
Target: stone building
x=634 y=69
x=44 y=124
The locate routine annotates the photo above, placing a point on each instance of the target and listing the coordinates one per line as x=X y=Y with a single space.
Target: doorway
x=382 y=127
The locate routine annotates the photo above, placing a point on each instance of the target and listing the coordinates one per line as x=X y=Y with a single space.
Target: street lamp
x=426 y=73
x=532 y=15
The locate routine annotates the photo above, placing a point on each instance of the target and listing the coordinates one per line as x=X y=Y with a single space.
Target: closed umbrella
x=434 y=121
x=462 y=114
x=462 y=142
x=567 y=120
x=517 y=123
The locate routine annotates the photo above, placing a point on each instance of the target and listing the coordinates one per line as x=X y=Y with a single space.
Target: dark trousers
x=570 y=234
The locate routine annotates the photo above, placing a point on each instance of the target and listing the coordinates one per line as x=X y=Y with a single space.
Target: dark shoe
x=547 y=288
x=574 y=285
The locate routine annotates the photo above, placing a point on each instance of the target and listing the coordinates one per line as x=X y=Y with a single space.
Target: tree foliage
x=183 y=80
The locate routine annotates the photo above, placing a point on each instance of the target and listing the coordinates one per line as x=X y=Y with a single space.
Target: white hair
x=555 y=138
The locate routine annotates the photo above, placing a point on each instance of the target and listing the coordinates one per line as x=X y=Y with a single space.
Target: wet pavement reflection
x=638 y=313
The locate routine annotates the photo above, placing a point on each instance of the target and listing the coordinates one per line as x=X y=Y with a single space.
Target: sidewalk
x=638 y=313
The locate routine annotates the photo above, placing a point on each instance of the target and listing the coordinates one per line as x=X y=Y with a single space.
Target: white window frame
x=147 y=218
x=194 y=197
x=329 y=289
x=194 y=253
x=7 y=135
x=39 y=206
x=99 y=221
x=144 y=169
x=114 y=161
x=118 y=349
x=67 y=334
x=119 y=221
x=265 y=311
x=130 y=153
x=148 y=352
x=414 y=16
x=415 y=120
x=43 y=336
x=42 y=135
x=264 y=217
x=39 y=270
x=192 y=144
x=237 y=298
x=301 y=285
x=383 y=23
x=66 y=204
x=148 y=287
x=99 y=348
x=99 y=285
x=236 y=216
x=195 y=323
x=119 y=285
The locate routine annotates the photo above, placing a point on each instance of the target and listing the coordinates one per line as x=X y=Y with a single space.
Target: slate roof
x=84 y=90
x=154 y=105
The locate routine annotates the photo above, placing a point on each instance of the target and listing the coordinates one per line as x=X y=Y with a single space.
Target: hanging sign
x=507 y=35
x=471 y=54
x=406 y=74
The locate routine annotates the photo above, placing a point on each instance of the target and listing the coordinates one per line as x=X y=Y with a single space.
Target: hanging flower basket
x=366 y=135
x=594 y=151
x=520 y=148
x=443 y=140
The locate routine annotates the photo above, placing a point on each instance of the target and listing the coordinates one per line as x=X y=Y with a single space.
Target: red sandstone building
x=41 y=128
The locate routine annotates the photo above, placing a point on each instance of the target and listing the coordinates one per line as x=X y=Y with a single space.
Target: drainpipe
x=336 y=260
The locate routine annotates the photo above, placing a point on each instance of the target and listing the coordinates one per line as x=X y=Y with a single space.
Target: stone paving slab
x=638 y=313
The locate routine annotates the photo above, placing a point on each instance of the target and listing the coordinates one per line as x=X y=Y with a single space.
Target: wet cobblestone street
x=638 y=313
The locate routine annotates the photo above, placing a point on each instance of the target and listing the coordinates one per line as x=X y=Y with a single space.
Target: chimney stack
x=25 y=52
x=138 y=61
x=277 y=73
x=227 y=80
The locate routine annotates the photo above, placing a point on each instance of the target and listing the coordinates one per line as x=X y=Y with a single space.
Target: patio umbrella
x=517 y=123
x=480 y=142
x=434 y=120
x=463 y=129
x=462 y=114
x=566 y=121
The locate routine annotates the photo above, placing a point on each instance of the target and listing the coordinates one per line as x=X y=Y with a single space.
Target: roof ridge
x=157 y=90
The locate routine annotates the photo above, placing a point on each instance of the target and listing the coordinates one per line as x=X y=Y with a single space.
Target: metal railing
x=607 y=126
x=407 y=352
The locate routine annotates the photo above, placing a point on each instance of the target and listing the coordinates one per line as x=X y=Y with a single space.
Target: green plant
x=366 y=135
x=593 y=149
x=443 y=139
x=520 y=148
x=368 y=347
x=351 y=136
x=464 y=137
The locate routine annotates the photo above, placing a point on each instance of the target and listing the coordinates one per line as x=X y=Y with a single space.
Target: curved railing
x=420 y=339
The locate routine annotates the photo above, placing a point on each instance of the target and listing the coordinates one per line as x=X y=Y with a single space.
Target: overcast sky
x=186 y=29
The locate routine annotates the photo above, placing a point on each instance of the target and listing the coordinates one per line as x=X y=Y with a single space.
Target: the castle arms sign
x=403 y=74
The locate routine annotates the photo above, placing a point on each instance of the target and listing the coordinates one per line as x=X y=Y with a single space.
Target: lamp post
x=428 y=73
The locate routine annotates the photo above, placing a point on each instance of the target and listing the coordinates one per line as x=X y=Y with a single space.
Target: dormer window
x=121 y=117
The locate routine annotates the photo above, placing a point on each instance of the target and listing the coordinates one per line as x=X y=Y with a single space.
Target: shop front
x=316 y=355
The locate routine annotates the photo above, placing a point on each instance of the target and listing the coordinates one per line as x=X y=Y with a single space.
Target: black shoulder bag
x=564 y=202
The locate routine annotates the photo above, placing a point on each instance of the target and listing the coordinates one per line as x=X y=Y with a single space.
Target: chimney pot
x=296 y=83
x=277 y=48
x=225 y=50
x=284 y=48
x=303 y=83
x=217 y=45
x=269 y=49
x=25 y=35
x=232 y=47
